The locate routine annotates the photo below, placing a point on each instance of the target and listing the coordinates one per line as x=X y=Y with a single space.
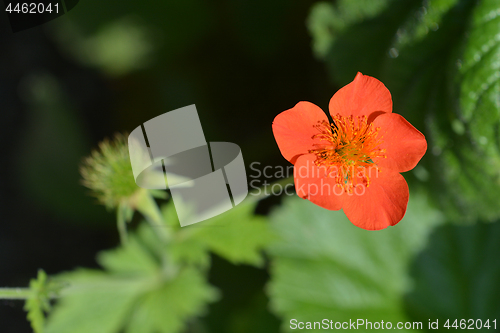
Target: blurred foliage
x=456 y=276
x=329 y=268
x=439 y=59
x=138 y=291
x=118 y=48
x=326 y=21
x=122 y=36
x=150 y=285
x=53 y=144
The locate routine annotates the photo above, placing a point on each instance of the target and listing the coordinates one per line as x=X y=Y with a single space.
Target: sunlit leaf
x=237 y=235
x=325 y=267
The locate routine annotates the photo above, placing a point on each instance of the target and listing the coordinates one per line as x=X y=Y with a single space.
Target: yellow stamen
x=347 y=150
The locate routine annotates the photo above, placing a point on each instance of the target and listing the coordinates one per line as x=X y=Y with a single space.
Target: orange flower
x=354 y=162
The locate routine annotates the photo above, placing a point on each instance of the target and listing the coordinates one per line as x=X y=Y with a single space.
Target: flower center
x=347 y=150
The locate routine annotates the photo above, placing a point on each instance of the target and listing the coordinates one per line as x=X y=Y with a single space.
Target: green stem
x=122 y=224
x=15 y=293
x=147 y=206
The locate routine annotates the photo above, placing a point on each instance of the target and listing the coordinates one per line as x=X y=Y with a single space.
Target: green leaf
x=39 y=302
x=325 y=267
x=457 y=275
x=327 y=19
x=166 y=309
x=96 y=301
x=439 y=59
x=237 y=235
x=131 y=258
x=140 y=287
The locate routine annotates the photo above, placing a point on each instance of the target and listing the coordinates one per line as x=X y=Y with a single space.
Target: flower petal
x=363 y=96
x=382 y=204
x=312 y=183
x=294 y=129
x=403 y=143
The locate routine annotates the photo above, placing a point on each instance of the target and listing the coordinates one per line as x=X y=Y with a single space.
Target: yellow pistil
x=350 y=145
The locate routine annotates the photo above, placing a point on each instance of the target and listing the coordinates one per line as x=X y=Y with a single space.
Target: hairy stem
x=15 y=293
